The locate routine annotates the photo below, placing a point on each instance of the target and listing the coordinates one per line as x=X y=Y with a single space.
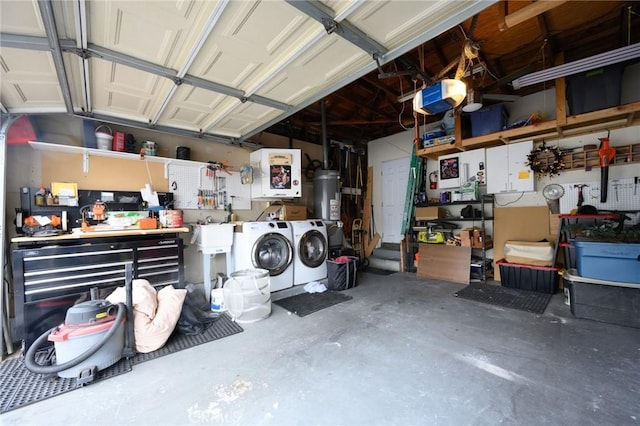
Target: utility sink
x=215 y=236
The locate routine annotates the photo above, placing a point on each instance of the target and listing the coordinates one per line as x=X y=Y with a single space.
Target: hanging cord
x=631 y=12
x=510 y=202
x=402 y=96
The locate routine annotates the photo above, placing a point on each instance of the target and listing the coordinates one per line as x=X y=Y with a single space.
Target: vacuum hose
x=30 y=356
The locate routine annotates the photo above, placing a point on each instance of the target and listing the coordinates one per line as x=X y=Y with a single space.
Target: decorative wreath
x=549 y=167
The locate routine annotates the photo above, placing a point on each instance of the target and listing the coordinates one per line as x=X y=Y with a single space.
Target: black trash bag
x=196 y=315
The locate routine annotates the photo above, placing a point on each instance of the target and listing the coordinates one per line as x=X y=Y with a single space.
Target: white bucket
x=217 y=300
x=247 y=295
x=104 y=140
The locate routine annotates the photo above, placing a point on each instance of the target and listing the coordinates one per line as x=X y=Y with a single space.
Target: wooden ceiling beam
x=361 y=105
x=439 y=53
x=528 y=12
x=391 y=96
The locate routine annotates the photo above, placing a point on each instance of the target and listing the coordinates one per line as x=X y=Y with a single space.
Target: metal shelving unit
x=486 y=202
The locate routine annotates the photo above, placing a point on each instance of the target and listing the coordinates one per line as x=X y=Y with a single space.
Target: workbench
x=51 y=274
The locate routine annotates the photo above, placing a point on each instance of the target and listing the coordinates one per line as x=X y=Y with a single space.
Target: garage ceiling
x=220 y=70
x=369 y=108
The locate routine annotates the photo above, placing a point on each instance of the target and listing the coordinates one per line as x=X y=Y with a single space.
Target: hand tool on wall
x=580 y=194
x=606 y=154
x=636 y=180
x=616 y=184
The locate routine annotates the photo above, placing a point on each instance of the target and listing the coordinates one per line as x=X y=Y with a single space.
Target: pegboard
x=621 y=195
x=194 y=187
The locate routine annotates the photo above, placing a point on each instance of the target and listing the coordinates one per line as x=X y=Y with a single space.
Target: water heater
x=326 y=191
x=276 y=173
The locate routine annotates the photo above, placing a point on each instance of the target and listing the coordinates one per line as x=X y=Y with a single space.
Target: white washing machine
x=265 y=245
x=311 y=249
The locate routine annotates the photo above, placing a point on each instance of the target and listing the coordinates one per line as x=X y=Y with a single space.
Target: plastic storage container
x=600 y=300
x=608 y=261
x=488 y=120
x=104 y=137
x=247 y=295
x=595 y=89
x=543 y=279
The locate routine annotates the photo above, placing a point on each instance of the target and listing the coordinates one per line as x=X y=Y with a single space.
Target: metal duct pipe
x=325 y=143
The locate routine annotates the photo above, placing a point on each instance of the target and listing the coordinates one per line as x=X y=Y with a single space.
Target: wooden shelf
x=564 y=126
x=589 y=158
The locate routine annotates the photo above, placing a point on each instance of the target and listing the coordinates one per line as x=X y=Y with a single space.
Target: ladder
x=415 y=173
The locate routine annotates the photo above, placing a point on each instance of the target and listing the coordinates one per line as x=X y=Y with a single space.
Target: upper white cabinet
x=507 y=170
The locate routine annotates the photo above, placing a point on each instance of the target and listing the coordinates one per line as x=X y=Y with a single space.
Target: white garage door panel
x=126 y=89
x=247 y=21
x=225 y=67
x=242 y=49
x=18 y=65
x=158 y=36
x=319 y=67
x=21 y=17
x=390 y=24
x=29 y=80
x=190 y=108
x=251 y=111
x=244 y=117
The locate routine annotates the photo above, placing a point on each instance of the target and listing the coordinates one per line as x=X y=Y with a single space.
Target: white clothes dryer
x=265 y=245
x=311 y=249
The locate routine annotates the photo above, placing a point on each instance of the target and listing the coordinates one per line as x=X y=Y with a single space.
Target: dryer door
x=272 y=252
x=312 y=249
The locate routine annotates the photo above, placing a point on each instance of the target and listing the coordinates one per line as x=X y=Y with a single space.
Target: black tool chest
x=48 y=279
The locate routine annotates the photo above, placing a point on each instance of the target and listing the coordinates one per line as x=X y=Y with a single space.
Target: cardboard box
x=472 y=237
x=284 y=212
x=429 y=213
x=466 y=237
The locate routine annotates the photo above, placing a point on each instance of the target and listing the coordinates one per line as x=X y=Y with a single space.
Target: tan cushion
x=154 y=334
x=143 y=296
x=152 y=327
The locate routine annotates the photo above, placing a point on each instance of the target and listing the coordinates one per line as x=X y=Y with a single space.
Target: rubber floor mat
x=20 y=387
x=529 y=301
x=378 y=271
x=307 y=303
x=222 y=327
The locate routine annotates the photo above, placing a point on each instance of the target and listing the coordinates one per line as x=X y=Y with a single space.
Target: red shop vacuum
x=95 y=335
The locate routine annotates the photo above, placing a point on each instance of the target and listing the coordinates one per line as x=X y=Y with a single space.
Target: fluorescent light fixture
x=601 y=60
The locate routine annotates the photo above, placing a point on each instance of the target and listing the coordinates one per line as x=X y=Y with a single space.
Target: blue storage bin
x=608 y=261
x=488 y=120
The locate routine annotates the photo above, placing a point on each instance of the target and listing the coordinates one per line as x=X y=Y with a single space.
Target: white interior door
x=395 y=175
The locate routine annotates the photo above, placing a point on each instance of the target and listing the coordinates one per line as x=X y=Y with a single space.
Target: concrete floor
x=404 y=351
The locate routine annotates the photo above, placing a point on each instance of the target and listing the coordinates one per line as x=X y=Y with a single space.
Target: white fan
x=553 y=193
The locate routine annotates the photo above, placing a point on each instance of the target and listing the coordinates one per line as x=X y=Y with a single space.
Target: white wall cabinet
x=507 y=170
